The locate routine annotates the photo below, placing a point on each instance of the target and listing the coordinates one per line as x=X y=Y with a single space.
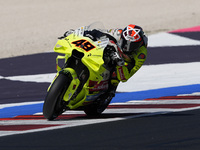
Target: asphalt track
x=179 y=130
x=168 y=131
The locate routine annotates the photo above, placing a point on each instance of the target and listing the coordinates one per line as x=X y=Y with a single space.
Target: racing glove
x=114 y=55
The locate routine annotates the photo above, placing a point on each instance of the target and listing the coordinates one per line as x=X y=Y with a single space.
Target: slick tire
x=53 y=104
x=94 y=110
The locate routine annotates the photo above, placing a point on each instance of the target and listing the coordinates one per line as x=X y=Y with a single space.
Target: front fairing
x=92 y=59
x=93 y=51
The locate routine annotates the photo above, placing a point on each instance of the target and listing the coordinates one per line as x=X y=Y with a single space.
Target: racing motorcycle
x=84 y=78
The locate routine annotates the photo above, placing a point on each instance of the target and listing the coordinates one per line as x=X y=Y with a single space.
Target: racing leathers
x=133 y=61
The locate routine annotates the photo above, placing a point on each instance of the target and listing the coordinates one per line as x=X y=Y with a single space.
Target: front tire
x=54 y=104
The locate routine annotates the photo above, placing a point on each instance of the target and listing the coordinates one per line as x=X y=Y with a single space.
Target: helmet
x=131 y=38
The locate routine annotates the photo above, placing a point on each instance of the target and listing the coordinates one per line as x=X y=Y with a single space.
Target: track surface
x=169 y=131
x=161 y=120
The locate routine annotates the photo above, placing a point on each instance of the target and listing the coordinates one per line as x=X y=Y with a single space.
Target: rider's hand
x=115 y=57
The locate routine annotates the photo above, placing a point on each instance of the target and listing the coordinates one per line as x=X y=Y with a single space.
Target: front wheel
x=54 y=104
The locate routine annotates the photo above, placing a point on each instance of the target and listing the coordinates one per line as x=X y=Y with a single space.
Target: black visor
x=128 y=47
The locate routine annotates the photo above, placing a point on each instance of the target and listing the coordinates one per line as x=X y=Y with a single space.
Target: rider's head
x=131 y=38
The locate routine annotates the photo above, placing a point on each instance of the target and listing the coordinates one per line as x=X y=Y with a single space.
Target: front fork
x=75 y=82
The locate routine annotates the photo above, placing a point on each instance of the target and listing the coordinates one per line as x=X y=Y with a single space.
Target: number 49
x=84 y=44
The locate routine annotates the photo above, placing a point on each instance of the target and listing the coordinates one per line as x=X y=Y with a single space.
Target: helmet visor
x=128 y=47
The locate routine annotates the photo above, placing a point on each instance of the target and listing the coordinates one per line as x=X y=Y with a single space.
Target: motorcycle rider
x=131 y=45
x=127 y=48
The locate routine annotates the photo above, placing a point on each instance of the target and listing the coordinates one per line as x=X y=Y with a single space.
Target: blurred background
x=32 y=26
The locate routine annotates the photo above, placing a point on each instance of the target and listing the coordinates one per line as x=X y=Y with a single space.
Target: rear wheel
x=54 y=104
x=97 y=108
x=92 y=110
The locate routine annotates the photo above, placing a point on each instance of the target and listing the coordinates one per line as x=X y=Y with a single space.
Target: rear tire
x=96 y=109
x=54 y=104
x=92 y=110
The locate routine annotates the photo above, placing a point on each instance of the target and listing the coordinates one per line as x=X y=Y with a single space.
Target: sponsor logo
x=103 y=85
x=121 y=73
